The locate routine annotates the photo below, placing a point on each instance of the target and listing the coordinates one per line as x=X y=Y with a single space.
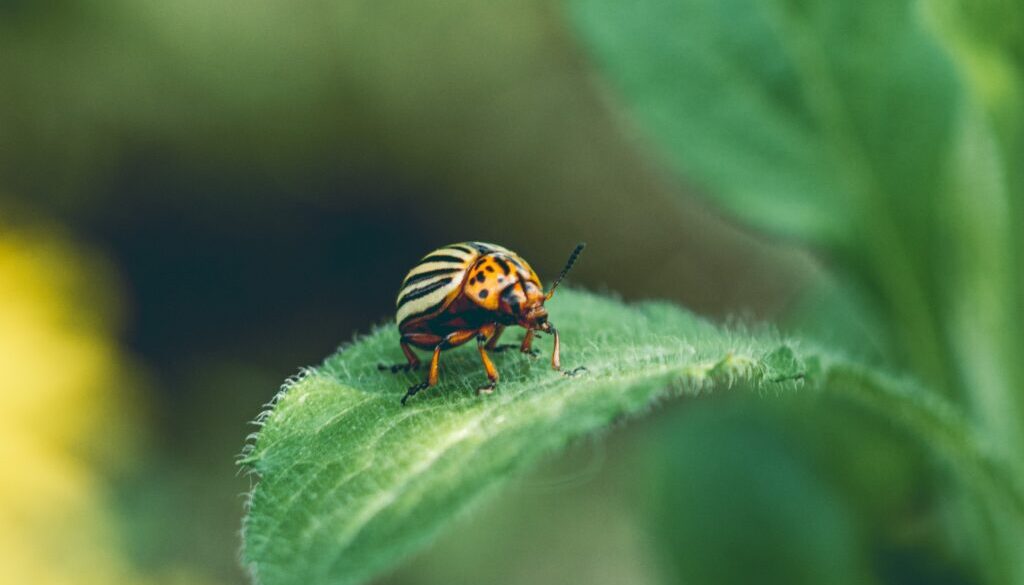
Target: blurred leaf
x=797 y=115
x=835 y=313
x=987 y=37
x=803 y=119
x=984 y=205
x=846 y=124
x=731 y=501
x=803 y=489
x=351 y=482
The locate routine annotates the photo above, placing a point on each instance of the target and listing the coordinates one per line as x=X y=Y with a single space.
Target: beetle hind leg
x=431 y=376
x=396 y=368
x=412 y=363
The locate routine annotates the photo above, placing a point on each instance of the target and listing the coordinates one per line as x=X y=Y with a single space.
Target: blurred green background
x=197 y=198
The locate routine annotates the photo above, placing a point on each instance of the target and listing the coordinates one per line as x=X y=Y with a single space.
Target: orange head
x=525 y=303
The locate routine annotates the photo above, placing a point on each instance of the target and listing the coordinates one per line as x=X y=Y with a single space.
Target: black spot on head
x=489 y=268
x=480 y=277
x=483 y=294
x=501 y=279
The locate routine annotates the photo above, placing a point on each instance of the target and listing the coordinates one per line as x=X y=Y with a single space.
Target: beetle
x=466 y=291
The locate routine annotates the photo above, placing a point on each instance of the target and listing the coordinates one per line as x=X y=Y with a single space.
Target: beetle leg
x=527 y=346
x=492 y=372
x=451 y=340
x=524 y=347
x=432 y=374
x=413 y=363
x=493 y=343
x=556 y=361
x=413 y=390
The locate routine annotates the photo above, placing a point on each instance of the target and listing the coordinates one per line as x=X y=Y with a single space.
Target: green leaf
x=984 y=205
x=824 y=121
x=350 y=482
x=796 y=115
x=729 y=498
x=852 y=125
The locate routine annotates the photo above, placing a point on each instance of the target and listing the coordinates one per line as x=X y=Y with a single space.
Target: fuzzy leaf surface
x=351 y=482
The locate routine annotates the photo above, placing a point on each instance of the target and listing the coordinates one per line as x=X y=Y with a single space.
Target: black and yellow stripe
x=435 y=282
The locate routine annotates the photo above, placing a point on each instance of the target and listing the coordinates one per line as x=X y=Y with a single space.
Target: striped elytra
x=431 y=286
x=471 y=291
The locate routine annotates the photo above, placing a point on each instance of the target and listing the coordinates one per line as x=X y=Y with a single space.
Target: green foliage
x=350 y=482
x=882 y=133
x=797 y=116
x=725 y=472
x=847 y=125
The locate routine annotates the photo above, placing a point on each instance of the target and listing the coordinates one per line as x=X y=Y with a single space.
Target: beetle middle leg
x=527 y=345
x=524 y=347
x=492 y=372
x=492 y=343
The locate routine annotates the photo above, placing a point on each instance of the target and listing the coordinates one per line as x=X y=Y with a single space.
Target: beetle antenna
x=568 y=266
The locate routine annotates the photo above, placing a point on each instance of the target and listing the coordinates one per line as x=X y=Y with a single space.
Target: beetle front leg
x=556 y=361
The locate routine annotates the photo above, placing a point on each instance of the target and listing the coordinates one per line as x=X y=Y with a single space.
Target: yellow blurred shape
x=59 y=403
x=57 y=357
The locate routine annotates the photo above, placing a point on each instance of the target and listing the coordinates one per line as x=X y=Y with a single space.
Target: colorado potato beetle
x=471 y=290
